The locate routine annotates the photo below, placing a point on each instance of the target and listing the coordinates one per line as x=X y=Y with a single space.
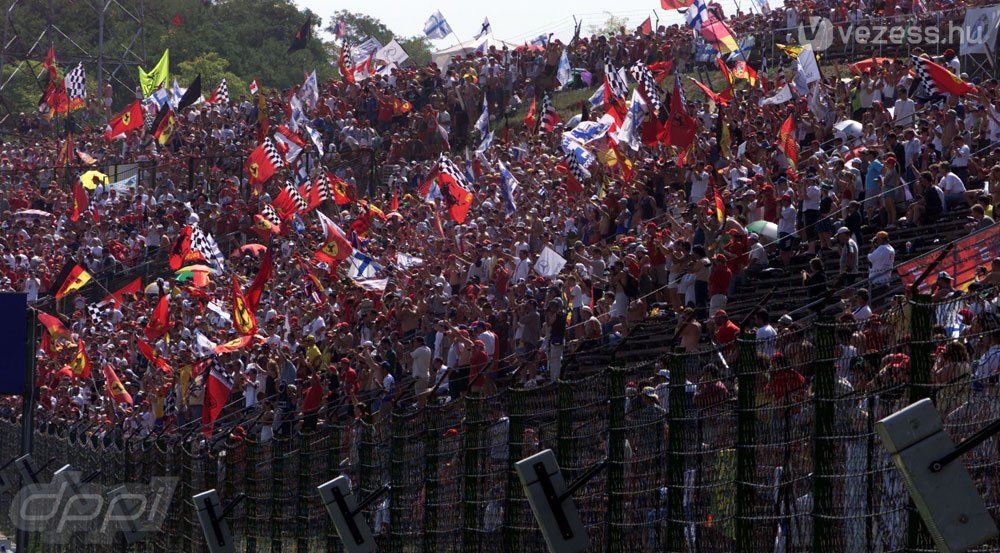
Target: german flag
x=72 y=278
x=80 y=365
x=116 y=297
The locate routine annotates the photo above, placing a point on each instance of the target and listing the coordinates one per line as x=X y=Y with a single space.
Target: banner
x=973 y=251
x=361 y=52
x=390 y=54
x=979 y=31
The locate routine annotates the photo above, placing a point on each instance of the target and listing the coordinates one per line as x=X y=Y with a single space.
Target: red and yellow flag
x=786 y=140
x=243 y=318
x=114 y=386
x=80 y=365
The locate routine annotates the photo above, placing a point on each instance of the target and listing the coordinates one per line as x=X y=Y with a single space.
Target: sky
x=511 y=20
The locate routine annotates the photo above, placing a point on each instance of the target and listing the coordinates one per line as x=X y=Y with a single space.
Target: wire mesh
x=762 y=445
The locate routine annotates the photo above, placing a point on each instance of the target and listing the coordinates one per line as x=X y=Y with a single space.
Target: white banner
x=391 y=53
x=979 y=31
x=550 y=263
x=361 y=52
x=807 y=63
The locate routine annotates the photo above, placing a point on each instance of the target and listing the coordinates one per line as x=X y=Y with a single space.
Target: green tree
x=611 y=26
x=212 y=69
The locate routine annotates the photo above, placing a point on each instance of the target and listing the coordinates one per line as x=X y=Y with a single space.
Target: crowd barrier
x=751 y=453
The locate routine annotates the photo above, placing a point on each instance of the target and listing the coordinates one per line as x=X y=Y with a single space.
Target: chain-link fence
x=766 y=443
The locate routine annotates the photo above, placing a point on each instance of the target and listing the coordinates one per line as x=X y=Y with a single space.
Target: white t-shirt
x=786 y=223
x=881 y=261
x=766 y=338
x=952 y=184
x=421 y=362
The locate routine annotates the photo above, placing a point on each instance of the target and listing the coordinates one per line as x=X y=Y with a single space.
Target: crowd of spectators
x=465 y=307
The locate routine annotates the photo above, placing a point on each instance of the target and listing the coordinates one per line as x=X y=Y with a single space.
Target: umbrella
x=32 y=214
x=256 y=250
x=867 y=64
x=768 y=232
x=196 y=269
x=91 y=178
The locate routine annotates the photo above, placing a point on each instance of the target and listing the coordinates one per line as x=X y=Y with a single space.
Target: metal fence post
x=824 y=401
x=515 y=448
x=397 y=463
x=278 y=449
x=431 y=495
x=304 y=456
x=675 y=452
x=746 y=438
x=565 y=429
x=333 y=469
x=921 y=321
x=471 y=446
x=616 y=461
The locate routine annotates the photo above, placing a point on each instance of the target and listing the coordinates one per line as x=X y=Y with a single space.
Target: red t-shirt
x=727 y=333
x=477 y=363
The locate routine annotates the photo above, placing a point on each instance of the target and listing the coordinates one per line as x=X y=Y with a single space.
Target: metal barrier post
x=431 y=495
x=471 y=479
x=397 y=472
x=616 y=461
x=921 y=321
x=304 y=454
x=746 y=438
x=675 y=447
x=824 y=398
x=515 y=445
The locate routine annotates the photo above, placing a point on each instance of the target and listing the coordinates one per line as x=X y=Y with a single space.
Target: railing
x=751 y=453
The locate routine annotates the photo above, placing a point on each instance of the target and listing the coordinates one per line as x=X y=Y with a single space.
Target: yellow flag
x=157 y=75
x=791 y=51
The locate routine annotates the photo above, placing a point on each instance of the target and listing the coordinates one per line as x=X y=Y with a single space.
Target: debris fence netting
x=759 y=445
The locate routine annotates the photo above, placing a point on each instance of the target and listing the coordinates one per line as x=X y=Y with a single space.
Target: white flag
x=483 y=123
x=807 y=65
x=436 y=26
x=392 y=53
x=550 y=263
x=484 y=30
x=564 y=74
x=782 y=96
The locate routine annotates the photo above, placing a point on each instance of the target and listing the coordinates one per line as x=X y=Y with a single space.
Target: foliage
x=611 y=26
x=212 y=69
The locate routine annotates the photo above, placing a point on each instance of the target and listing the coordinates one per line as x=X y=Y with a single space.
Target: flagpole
x=460 y=40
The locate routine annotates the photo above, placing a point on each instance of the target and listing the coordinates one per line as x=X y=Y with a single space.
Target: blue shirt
x=874 y=171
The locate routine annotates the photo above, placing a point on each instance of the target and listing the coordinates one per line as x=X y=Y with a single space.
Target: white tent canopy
x=443 y=56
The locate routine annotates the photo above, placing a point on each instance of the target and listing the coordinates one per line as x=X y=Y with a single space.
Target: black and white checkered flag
x=170 y=403
x=448 y=167
x=930 y=87
x=222 y=93
x=270 y=214
x=619 y=88
x=205 y=245
x=550 y=117
x=647 y=85
x=272 y=153
x=579 y=171
x=293 y=193
x=95 y=312
x=76 y=83
x=325 y=187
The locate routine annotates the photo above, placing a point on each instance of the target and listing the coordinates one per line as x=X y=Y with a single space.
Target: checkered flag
x=170 y=403
x=271 y=151
x=619 y=88
x=270 y=214
x=148 y=118
x=930 y=87
x=448 y=167
x=325 y=187
x=207 y=247
x=95 y=312
x=648 y=87
x=580 y=173
x=76 y=84
x=300 y=203
x=221 y=95
x=550 y=117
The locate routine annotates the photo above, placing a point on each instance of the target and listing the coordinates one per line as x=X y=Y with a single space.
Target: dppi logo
x=66 y=507
x=821 y=29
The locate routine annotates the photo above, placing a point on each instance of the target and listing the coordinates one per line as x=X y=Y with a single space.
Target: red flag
x=262 y=163
x=787 y=142
x=133 y=287
x=129 y=119
x=243 y=318
x=150 y=354
x=675 y=4
x=940 y=78
x=336 y=247
x=345 y=72
x=661 y=70
x=114 y=386
x=50 y=62
x=54 y=328
x=233 y=345
x=80 y=201
x=340 y=188
x=159 y=321
x=217 y=388
x=80 y=364
x=177 y=21
x=727 y=94
x=717 y=98
x=681 y=128
x=529 y=119
x=647 y=27
x=394 y=204
x=263 y=274
x=179 y=251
